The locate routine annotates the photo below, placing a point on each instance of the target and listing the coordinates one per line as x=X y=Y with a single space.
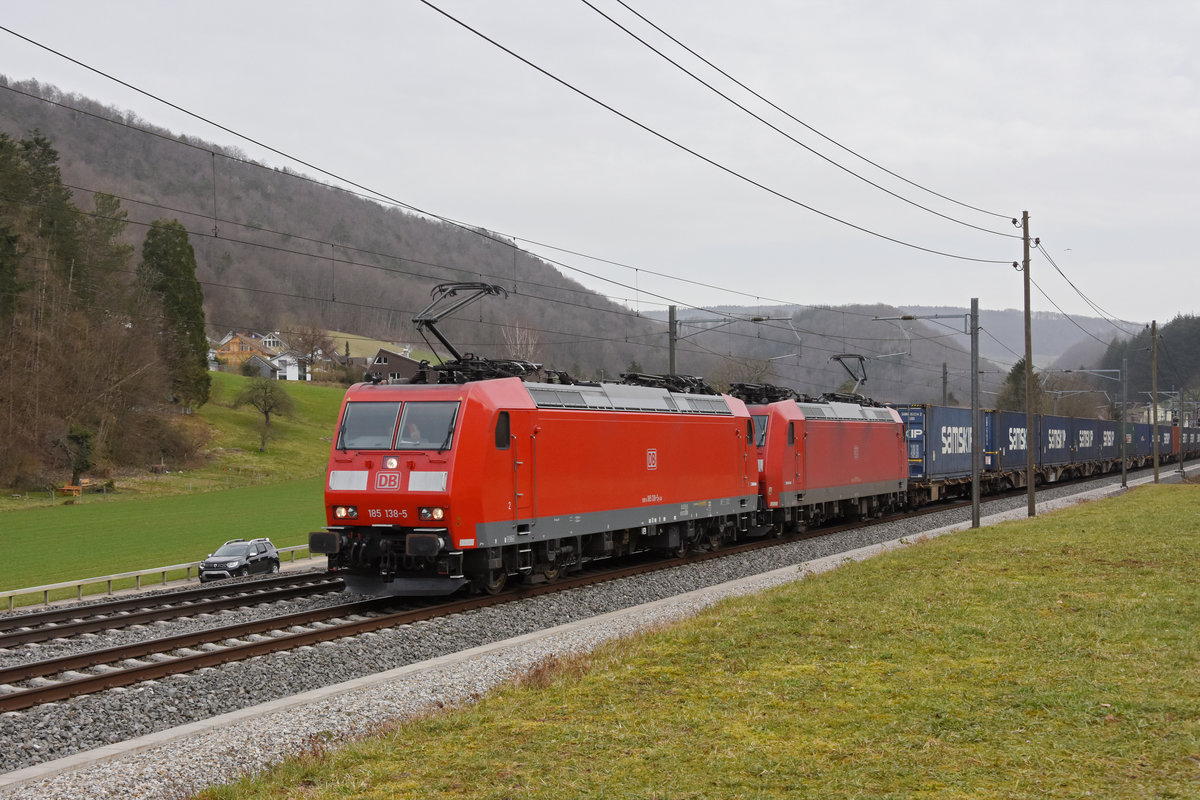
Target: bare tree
x=310 y=344
x=749 y=370
x=520 y=343
x=269 y=397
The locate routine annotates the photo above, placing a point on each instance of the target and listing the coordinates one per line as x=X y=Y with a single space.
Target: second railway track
x=66 y=621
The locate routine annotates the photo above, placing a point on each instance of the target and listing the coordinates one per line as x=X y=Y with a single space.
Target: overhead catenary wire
x=377 y=195
x=665 y=300
x=451 y=269
x=573 y=338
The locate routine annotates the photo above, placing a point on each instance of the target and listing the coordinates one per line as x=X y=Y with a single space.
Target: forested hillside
x=99 y=355
x=274 y=248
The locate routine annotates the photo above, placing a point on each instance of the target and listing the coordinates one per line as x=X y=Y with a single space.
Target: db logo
x=651 y=459
x=387 y=481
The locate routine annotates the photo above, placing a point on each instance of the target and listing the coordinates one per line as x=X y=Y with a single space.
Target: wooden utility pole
x=1125 y=426
x=1030 y=433
x=1154 y=391
x=976 y=433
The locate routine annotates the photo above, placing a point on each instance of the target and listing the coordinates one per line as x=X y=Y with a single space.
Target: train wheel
x=552 y=573
x=492 y=582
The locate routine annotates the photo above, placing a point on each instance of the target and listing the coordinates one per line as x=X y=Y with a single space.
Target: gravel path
x=246 y=738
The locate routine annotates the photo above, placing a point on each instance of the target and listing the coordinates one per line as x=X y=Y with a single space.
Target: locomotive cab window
x=427 y=426
x=502 y=431
x=791 y=433
x=368 y=426
x=760 y=429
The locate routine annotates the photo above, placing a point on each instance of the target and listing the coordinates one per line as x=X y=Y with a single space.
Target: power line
x=1067 y=316
x=1107 y=317
x=346 y=261
x=706 y=159
x=805 y=124
x=779 y=130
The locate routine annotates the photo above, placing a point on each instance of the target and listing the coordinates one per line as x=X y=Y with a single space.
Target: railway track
x=28 y=685
x=59 y=623
x=52 y=680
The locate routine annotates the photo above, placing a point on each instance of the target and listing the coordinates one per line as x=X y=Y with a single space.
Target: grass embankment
x=362 y=347
x=152 y=520
x=1050 y=658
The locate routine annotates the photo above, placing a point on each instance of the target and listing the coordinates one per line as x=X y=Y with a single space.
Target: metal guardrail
x=137 y=575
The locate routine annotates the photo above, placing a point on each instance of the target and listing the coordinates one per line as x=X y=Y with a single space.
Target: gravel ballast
x=394 y=679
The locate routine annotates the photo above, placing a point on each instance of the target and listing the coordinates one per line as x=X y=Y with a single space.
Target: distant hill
x=1053 y=335
x=275 y=248
x=904 y=361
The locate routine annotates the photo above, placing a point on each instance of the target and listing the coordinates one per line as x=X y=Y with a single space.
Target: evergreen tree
x=168 y=272
x=104 y=251
x=11 y=285
x=1012 y=395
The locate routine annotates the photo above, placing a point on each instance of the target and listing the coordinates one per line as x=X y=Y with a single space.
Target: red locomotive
x=434 y=486
x=841 y=457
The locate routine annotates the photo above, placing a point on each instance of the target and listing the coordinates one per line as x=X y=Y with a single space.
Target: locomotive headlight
x=391 y=462
x=431 y=513
x=345 y=512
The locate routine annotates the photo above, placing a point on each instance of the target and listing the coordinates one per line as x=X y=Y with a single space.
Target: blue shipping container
x=1109 y=445
x=1054 y=441
x=1011 y=439
x=939 y=442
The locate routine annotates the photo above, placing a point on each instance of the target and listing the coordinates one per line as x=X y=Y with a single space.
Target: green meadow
x=1050 y=658
x=152 y=519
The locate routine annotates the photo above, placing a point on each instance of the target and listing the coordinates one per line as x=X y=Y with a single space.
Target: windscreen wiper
x=449 y=432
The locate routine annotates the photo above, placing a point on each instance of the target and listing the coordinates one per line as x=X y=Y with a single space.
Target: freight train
x=471 y=474
x=433 y=487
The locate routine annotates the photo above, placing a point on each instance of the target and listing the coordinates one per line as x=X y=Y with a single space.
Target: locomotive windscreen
x=368 y=426
x=372 y=426
x=427 y=426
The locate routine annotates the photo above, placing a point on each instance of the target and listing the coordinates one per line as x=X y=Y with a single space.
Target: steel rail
x=78 y=611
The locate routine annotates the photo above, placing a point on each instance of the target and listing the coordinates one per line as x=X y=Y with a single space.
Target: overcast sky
x=1084 y=113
